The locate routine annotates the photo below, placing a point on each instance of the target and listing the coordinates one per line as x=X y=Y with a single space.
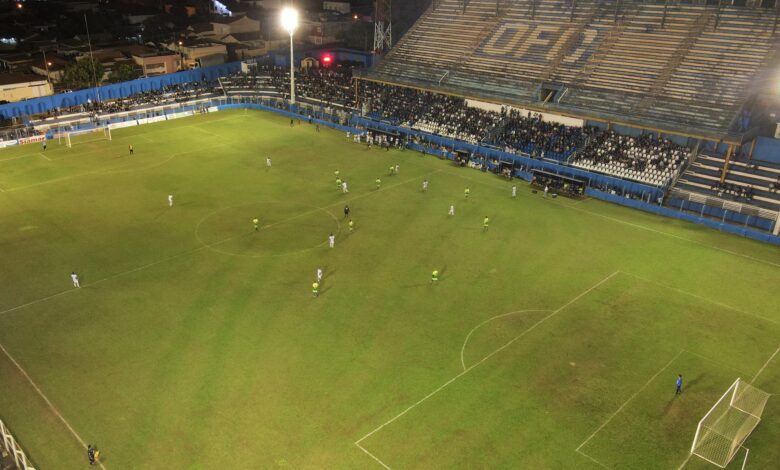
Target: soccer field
x=552 y=340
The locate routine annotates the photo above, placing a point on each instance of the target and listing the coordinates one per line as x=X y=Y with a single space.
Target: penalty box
x=592 y=385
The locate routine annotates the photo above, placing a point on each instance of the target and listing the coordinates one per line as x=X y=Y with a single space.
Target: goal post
x=97 y=133
x=8 y=442
x=722 y=431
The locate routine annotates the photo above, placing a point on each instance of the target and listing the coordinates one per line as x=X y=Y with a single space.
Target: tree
x=124 y=73
x=82 y=75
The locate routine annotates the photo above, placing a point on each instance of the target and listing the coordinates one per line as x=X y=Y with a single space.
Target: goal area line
x=579 y=450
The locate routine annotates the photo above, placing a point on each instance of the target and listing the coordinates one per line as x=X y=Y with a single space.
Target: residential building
x=21 y=86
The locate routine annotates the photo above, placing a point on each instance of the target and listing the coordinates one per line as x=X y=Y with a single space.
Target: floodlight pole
x=292 y=73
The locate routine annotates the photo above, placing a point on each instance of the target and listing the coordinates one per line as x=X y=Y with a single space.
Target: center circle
x=283 y=228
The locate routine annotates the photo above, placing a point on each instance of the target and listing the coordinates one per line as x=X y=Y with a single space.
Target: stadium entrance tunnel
x=283 y=228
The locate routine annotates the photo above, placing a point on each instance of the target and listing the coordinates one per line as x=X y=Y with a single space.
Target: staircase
x=707 y=18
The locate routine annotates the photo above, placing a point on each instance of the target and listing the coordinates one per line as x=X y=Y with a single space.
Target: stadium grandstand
x=268 y=251
x=677 y=67
x=699 y=170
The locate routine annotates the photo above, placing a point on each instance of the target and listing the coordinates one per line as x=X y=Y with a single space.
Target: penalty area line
x=373 y=456
x=620 y=408
x=476 y=364
x=46 y=400
x=765 y=364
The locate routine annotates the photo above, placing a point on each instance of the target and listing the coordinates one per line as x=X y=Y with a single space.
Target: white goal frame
x=105 y=130
x=8 y=442
x=741 y=406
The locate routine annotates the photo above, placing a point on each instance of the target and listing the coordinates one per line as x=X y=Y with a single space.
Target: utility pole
x=92 y=59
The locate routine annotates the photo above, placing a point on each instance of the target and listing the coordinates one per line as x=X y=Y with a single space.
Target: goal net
x=729 y=422
x=87 y=135
x=13 y=449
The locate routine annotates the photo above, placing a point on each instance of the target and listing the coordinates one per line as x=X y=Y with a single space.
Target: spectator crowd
x=644 y=158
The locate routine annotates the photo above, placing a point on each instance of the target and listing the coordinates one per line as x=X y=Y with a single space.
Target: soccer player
x=43 y=145
x=315 y=289
x=130 y=148
x=435 y=276
x=351 y=225
x=397 y=168
x=514 y=191
x=268 y=162
x=546 y=188
x=170 y=200
x=485 y=224
x=679 y=385
x=292 y=122
x=331 y=240
x=452 y=210
x=337 y=173
x=256 y=223
x=466 y=192
x=344 y=187
x=338 y=183
x=346 y=211
x=319 y=274
x=75 y=278
x=390 y=172
x=348 y=134
x=92 y=454
x=425 y=185
x=378 y=183
x=317 y=127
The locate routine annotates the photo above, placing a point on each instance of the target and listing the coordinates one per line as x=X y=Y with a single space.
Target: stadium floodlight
x=290 y=23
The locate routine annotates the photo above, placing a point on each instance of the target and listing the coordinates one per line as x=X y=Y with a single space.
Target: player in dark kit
x=92 y=454
x=346 y=211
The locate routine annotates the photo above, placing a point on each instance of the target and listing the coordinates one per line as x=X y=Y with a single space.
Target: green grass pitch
x=552 y=340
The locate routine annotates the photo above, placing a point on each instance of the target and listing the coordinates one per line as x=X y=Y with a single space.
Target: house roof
x=201 y=27
x=12 y=78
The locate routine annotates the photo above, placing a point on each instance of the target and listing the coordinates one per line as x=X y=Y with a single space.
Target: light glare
x=289 y=19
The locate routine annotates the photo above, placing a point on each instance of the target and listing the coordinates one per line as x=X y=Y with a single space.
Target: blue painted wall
x=767 y=149
x=118 y=90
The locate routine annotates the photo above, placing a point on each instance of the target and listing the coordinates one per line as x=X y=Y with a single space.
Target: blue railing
x=644 y=195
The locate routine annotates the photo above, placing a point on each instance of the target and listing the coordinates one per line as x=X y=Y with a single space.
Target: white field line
x=48 y=402
x=111 y=170
x=591 y=459
x=699 y=297
x=203 y=246
x=120 y=170
x=313 y=210
x=612 y=416
x=9 y=159
x=44 y=156
x=373 y=456
x=685 y=462
x=688 y=458
x=470 y=368
x=631 y=224
x=660 y=232
x=715 y=361
x=468 y=336
x=765 y=364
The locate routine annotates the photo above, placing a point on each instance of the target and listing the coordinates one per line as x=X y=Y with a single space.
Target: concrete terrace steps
x=686 y=74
